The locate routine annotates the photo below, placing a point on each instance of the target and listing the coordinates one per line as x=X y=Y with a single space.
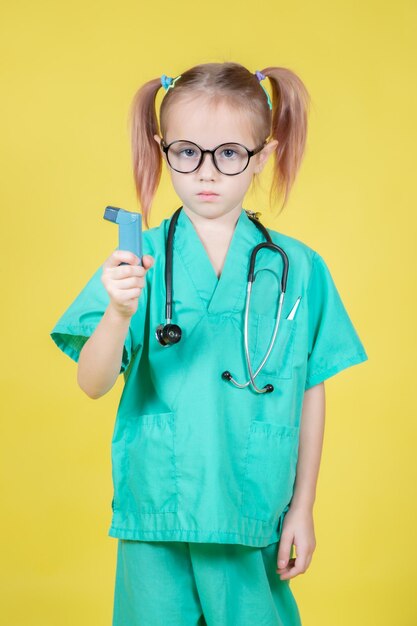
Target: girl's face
x=208 y=126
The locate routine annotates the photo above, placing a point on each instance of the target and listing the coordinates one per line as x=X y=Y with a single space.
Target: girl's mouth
x=207 y=196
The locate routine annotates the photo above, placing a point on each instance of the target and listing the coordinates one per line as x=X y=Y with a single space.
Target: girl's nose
x=207 y=167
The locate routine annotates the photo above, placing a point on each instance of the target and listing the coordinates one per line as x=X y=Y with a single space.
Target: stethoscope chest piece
x=168 y=334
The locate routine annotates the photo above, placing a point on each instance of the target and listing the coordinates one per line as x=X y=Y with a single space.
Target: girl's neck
x=219 y=227
x=215 y=235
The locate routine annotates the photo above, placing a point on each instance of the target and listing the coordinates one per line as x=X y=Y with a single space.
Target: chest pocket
x=279 y=364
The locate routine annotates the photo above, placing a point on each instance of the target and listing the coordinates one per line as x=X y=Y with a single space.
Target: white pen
x=291 y=314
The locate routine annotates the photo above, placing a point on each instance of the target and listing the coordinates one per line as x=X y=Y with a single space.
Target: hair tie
x=260 y=77
x=167 y=82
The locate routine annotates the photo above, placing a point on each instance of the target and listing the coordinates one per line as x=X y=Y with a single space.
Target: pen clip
x=291 y=314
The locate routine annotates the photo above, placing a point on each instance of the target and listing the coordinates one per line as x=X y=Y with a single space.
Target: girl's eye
x=228 y=153
x=186 y=152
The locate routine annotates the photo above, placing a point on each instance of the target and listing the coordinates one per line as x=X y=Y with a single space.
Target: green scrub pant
x=175 y=583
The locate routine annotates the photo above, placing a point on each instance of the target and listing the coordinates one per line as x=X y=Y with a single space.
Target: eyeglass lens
x=231 y=158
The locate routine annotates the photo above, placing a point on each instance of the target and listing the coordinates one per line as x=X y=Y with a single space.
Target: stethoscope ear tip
x=227 y=376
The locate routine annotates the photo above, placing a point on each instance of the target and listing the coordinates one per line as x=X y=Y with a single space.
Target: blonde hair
x=236 y=86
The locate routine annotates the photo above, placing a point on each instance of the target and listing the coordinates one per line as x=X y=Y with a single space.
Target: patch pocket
x=270 y=470
x=150 y=463
x=280 y=360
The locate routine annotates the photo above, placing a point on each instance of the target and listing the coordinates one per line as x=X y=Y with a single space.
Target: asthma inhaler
x=130 y=229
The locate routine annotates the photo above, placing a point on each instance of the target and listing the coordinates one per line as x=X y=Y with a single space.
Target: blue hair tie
x=260 y=77
x=167 y=82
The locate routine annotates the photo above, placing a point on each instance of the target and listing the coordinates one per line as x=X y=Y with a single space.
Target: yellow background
x=68 y=74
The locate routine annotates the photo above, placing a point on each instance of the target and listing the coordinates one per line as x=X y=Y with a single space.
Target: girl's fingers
x=287 y=568
x=124 y=271
x=295 y=567
x=148 y=260
x=290 y=571
x=119 y=256
x=129 y=294
x=284 y=550
x=124 y=283
x=129 y=283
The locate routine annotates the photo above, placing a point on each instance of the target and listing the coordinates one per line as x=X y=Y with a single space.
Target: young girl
x=214 y=462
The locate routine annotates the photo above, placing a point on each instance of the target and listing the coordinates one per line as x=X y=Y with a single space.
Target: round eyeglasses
x=229 y=158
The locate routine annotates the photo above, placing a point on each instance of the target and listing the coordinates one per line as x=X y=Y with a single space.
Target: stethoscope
x=170 y=334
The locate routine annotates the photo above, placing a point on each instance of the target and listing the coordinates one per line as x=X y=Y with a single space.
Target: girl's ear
x=264 y=154
x=158 y=141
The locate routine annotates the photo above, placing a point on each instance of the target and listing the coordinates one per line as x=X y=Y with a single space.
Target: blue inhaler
x=130 y=229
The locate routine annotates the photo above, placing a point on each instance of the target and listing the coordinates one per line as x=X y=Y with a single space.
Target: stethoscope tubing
x=246 y=339
x=251 y=278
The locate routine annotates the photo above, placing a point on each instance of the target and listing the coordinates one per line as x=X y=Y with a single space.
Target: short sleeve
x=333 y=343
x=81 y=318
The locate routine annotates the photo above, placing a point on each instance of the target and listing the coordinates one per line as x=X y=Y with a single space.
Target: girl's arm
x=101 y=356
x=298 y=525
x=310 y=447
x=100 y=359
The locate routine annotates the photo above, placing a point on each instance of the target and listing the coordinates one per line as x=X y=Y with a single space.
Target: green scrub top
x=195 y=458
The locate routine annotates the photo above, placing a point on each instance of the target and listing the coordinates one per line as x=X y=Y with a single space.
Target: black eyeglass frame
x=251 y=153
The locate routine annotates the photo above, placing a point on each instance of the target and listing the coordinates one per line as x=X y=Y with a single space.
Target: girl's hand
x=297 y=529
x=124 y=283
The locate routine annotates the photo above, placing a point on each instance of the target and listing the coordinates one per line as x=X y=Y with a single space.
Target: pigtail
x=290 y=102
x=146 y=154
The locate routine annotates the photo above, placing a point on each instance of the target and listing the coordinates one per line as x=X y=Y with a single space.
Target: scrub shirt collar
x=227 y=293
